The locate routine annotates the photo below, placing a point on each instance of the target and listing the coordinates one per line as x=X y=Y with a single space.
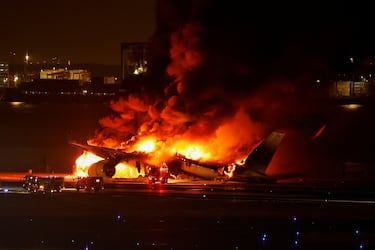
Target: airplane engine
x=104 y=168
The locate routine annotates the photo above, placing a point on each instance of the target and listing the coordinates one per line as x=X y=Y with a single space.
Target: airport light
x=27 y=58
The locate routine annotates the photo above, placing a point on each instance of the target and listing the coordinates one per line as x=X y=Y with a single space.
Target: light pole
x=27 y=58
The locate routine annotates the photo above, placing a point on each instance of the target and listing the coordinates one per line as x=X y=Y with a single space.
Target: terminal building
x=82 y=76
x=351 y=89
x=63 y=85
x=356 y=82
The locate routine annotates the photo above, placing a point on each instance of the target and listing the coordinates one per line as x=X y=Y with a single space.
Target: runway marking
x=352 y=201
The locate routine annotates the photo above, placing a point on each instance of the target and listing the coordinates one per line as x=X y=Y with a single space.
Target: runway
x=190 y=215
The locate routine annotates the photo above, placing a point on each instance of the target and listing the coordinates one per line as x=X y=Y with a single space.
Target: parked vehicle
x=90 y=183
x=52 y=184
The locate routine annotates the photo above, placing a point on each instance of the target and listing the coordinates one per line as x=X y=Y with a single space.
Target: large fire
x=218 y=101
x=155 y=150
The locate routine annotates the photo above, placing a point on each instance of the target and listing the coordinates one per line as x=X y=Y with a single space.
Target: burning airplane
x=108 y=162
x=205 y=98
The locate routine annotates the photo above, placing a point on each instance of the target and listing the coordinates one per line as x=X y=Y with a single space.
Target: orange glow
x=83 y=163
x=230 y=169
x=194 y=152
x=162 y=134
x=124 y=170
x=147 y=146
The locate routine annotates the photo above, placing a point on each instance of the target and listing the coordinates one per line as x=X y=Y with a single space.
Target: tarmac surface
x=133 y=215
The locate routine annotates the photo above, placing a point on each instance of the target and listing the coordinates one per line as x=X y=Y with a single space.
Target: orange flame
x=124 y=170
x=194 y=152
x=147 y=145
x=83 y=163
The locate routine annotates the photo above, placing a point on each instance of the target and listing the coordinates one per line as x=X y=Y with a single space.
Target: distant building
x=56 y=90
x=347 y=90
x=4 y=74
x=134 y=59
x=355 y=81
x=82 y=76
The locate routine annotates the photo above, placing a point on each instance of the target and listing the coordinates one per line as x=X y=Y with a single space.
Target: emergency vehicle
x=158 y=175
x=90 y=183
x=52 y=184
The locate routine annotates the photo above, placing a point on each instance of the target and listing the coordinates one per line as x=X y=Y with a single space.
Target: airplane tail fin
x=259 y=159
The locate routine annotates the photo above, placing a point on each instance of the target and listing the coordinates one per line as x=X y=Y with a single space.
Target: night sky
x=91 y=31
x=83 y=31
x=279 y=39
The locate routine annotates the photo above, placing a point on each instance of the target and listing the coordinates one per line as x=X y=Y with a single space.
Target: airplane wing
x=106 y=153
x=111 y=157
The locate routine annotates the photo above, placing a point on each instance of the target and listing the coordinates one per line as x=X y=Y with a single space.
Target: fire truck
x=90 y=183
x=50 y=184
x=158 y=175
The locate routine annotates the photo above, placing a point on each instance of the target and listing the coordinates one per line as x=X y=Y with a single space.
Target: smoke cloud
x=223 y=76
